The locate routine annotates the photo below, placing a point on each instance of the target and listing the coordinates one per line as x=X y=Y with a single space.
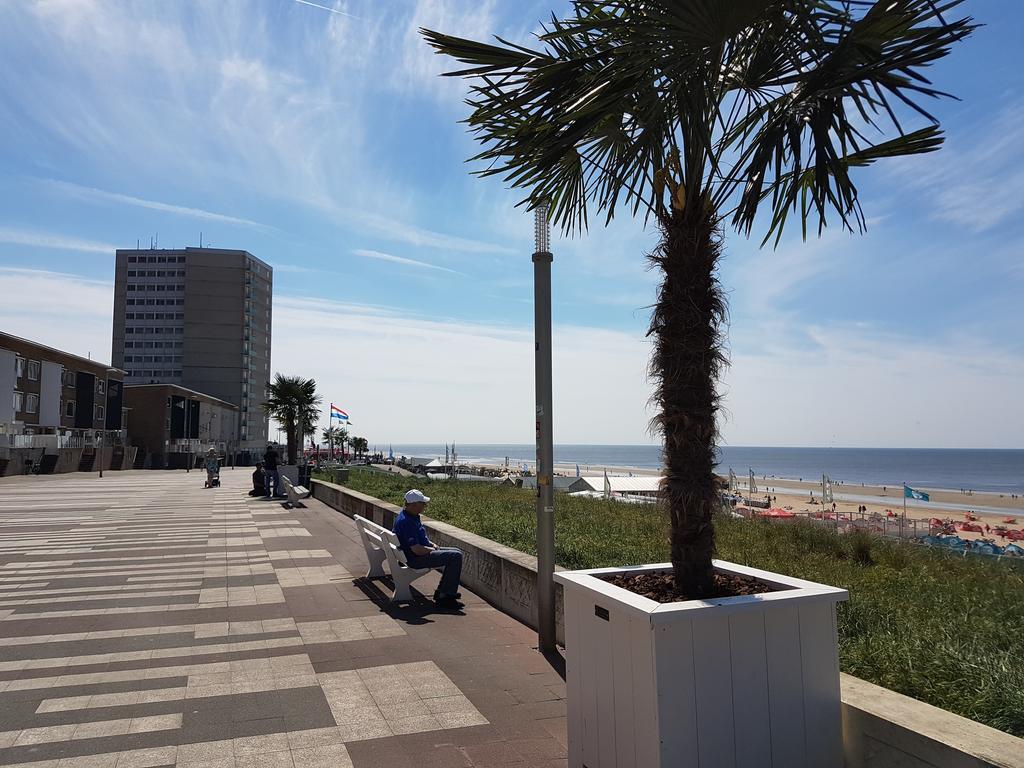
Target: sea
x=995 y=470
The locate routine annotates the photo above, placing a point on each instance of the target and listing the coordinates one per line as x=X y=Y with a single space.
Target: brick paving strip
x=146 y=621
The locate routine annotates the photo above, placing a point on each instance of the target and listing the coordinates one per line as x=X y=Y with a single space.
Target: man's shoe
x=457 y=595
x=447 y=601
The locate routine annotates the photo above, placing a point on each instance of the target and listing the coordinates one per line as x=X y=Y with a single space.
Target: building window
x=99 y=412
x=31 y=403
x=19 y=402
x=19 y=367
x=69 y=409
x=33 y=370
x=101 y=386
x=132 y=260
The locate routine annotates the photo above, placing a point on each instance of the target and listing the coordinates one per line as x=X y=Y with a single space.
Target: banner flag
x=910 y=493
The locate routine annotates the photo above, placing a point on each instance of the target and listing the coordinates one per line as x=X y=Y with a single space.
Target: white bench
x=293 y=492
x=381 y=544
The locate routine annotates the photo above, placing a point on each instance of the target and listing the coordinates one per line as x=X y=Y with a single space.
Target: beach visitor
x=273 y=479
x=259 y=481
x=420 y=552
x=212 y=467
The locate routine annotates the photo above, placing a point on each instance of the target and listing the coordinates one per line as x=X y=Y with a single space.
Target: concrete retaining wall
x=884 y=729
x=881 y=729
x=67 y=459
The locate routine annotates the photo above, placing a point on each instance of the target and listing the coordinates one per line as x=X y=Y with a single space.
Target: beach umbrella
x=777 y=512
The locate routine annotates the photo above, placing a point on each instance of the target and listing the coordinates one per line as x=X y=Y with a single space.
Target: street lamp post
x=188 y=437
x=542 y=260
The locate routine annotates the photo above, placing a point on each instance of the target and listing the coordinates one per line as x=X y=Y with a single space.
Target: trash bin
x=304 y=472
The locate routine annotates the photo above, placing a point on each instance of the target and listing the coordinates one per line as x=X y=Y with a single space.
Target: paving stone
x=145 y=622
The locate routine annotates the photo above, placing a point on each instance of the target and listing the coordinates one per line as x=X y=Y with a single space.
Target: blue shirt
x=409 y=531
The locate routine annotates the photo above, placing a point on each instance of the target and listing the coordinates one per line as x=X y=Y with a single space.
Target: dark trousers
x=447 y=558
x=273 y=482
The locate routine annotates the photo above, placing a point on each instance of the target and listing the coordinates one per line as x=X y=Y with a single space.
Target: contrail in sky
x=326 y=8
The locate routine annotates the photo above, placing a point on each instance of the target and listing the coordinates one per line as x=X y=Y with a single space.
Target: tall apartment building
x=199 y=318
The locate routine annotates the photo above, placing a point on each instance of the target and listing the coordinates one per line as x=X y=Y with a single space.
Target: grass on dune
x=942 y=629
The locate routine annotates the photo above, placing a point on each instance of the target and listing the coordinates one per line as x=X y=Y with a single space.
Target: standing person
x=270 y=460
x=212 y=464
x=421 y=553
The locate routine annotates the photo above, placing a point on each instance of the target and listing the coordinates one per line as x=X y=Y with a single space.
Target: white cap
x=414 y=496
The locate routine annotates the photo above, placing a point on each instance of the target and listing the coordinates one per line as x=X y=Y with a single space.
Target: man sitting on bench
x=421 y=553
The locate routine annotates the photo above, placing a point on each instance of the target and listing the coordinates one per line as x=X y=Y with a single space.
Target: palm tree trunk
x=290 y=429
x=686 y=326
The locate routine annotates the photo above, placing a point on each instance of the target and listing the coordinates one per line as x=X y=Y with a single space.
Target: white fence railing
x=52 y=443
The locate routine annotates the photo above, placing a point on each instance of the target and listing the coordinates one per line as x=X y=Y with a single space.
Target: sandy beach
x=794 y=494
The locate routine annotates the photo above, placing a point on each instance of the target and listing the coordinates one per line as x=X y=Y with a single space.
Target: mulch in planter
x=661 y=588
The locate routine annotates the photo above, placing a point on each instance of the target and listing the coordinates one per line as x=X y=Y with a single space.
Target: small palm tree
x=359 y=446
x=293 y=403
x=335 y=436
x=700 y=114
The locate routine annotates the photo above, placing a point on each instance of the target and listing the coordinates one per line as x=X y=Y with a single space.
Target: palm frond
x=656 y=103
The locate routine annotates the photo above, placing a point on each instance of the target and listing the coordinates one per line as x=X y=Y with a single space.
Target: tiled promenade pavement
x=146 y=621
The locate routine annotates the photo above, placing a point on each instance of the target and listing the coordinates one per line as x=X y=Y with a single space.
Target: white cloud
x=91 y=193
x=401 y=231
x=975 y=181
x=420 y=68
x=406 y=377
x=325 y=8
x=862 y=389
x=381 y=256
x=67 y=312
x=147 y=102
x=51 y=240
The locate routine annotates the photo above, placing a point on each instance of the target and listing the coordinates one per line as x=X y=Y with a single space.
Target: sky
x=322 y=140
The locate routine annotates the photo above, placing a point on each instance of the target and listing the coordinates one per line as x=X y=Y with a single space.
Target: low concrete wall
x=884 y=729
x=881 y=729
x=505 y=577
x=67 y=460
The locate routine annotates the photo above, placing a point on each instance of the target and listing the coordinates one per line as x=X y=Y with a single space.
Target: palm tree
x=293 y=403
x=699 y=115
x=336 y=436
x=359 y=446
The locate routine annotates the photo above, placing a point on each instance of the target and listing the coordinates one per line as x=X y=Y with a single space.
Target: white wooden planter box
x=744 y=682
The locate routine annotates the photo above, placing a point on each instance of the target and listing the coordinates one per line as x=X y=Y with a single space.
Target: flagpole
x=903 y=522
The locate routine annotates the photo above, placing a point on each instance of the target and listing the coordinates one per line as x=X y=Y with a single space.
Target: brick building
x=171 y=425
